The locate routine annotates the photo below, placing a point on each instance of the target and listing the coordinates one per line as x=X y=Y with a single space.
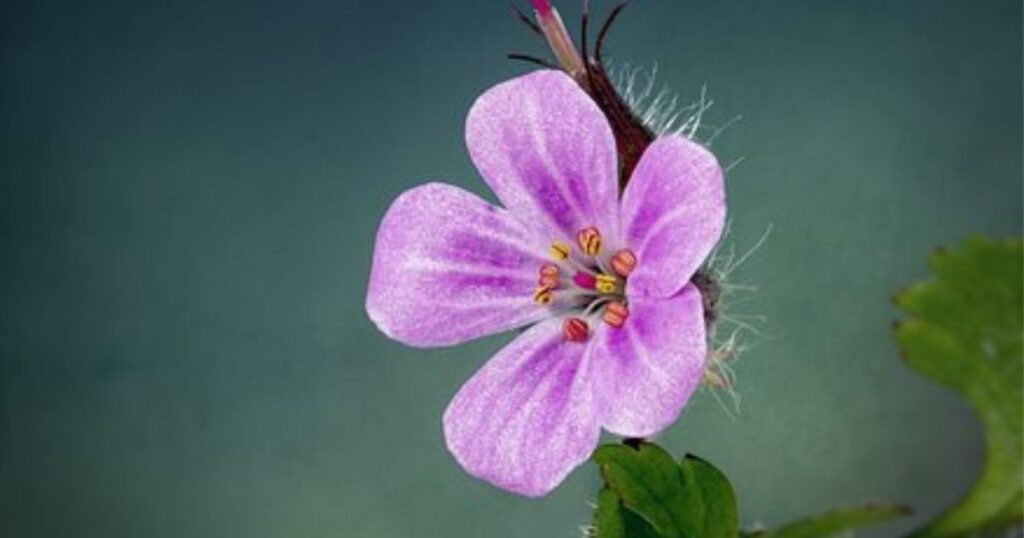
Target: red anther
x=575 y=330
x=584 y=280
x=615 y=314
x=623 y=262
x=549 y=276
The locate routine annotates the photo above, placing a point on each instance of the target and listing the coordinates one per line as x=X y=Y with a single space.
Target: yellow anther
x=560 y=250
x=543 y=295
x=605 y=283
x=589 y=240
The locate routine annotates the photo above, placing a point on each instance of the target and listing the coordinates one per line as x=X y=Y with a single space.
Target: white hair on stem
x=663 y=112
x=731 y=333
x=730 y=336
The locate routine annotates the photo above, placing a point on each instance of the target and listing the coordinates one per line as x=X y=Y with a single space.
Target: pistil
x=587 y=282
x=558 y=38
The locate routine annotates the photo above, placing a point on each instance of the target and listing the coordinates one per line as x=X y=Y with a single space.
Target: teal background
x=189 y=194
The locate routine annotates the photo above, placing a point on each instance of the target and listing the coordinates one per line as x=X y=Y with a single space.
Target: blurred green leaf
x=966 y=332
x=690 y=499
x=834 y=522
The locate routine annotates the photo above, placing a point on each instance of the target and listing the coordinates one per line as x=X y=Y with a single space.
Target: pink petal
x=547 y=151
x=528 y=417
x=673 y=213
x=449 y=267
x=646 y=370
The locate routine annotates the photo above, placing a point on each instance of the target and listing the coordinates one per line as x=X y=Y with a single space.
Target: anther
x=560 y=250
x=589 y=240
x=615 y=314
x=543 y=295
x=716 y=379
x=605 y=283
x=549 y=276
x=575 y=330
x=623 y=262
x=584 y=280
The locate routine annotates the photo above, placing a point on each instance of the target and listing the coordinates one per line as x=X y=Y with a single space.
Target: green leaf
x=966 y=332
x=608 y=516
x=836 y=521
x=612 y=520
x=648 y=482
x=690 y=499
x=721 y=515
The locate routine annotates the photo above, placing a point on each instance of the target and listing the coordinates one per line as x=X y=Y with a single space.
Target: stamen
x=560 y=250
x=615 y=314
x=623 y=262
x=543 y=295
x=605 y=283
x=594 y=305
x=575 y=330
x=584 y=280
x=589 y=240
x=549 y=276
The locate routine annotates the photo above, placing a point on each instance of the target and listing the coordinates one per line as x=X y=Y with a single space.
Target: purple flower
x=616 y=336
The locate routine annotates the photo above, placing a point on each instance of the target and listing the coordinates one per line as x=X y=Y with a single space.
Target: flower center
x=587 y=282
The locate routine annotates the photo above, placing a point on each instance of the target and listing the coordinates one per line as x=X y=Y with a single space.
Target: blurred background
x=189 y=193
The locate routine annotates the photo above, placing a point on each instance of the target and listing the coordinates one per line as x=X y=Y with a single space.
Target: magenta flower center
x=587 y=282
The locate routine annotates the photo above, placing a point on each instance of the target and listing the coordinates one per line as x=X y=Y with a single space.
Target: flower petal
x=673 y=213
x=528 y=417
x=548 y=152
x=449 y=267
x=646 y=370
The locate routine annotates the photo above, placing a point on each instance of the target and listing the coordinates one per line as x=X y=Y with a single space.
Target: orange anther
x=549 y=276
x=623 y=262
x=615 y=314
